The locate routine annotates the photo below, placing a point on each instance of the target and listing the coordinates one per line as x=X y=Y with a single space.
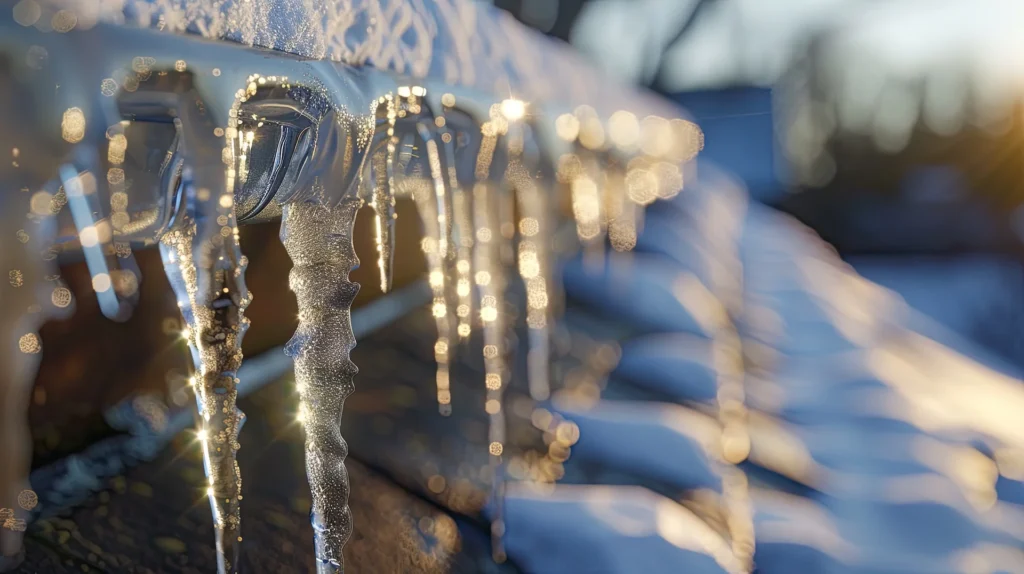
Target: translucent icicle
x=491 y=283
x=622 y=212
x=586 y=181
x=535 y=271
x=462 y=219
x=735 y=440
x=534 y=242
x=214 y=332
x=383 y=196
x=30 y=294
x=127 y=276
x=444 y=195
x=437 y=246
x=319 y=241
x=210 y=282
x=180 y=272
x=506 y=224
x=433 y=141
x=215 y=248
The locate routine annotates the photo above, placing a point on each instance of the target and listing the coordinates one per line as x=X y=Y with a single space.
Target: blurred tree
x=642 y=53
x=553 y=17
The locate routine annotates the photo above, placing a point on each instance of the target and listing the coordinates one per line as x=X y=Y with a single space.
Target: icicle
x=463 y=224
x=629 y=183
x=727 y=356
x=318 y=238
x=175 y=247
x=383 y=196
x=214 y=333
x=506 y=225
x=728 y=360
x=587 y=202
x=210 y=286
x=443 y=195
x=428 y=214
x=621 y=211
x=534 y=268
x=586 y=180
x=437 y=244
x=491 y=283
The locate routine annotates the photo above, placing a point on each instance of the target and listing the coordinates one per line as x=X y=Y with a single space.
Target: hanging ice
x=318 y=238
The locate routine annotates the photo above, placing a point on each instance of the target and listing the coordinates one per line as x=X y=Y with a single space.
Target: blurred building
x=914 y=179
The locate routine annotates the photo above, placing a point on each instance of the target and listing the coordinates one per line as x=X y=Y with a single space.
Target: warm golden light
x=72 y=126
x=513 y=109
x=624 y=129
x=567 y=126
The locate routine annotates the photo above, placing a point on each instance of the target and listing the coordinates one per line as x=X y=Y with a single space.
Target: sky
x=751 y=42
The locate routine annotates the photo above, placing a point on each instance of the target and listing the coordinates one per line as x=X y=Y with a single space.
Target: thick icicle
x=214 y=332
x=318 y=238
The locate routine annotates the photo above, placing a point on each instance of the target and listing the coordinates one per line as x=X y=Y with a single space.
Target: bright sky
x=751 y=41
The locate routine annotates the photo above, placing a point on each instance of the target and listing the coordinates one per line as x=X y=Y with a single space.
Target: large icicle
x=206 y=269
x=318 y=238
x=214 y=332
